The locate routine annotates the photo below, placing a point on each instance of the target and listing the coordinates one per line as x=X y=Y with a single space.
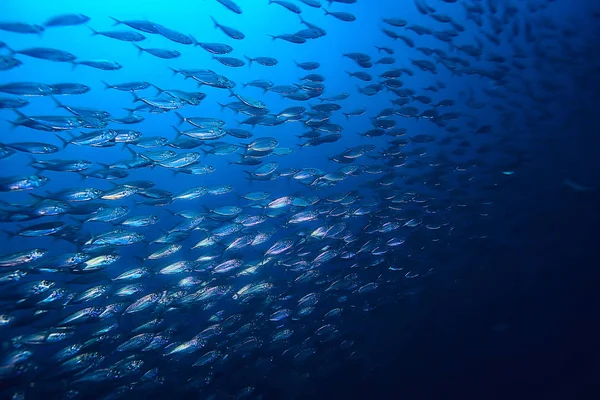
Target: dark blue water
x=450 y=243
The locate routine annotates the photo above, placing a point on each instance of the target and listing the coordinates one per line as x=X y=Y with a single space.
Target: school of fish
x=211 y=290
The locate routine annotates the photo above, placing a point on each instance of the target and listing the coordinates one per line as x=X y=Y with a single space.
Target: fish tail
x=37 y=196
x=130 y=110
x=9 y=233
x=133 y=152
x=272 y=36
x=179 y=133
x=117 y=22
x=223 y=106
x=32 y=161
x=13 y=124
x=65 y=142
x=19 y=113
x=249 y=59
x=74 y=64
x=106 y=85
x=94 y=32
x=57 y=102
x=140 y=49
x=181 y=118
x=175 y=70
x=249 y=178
x=215 y=22
x=326 y=12
x=136 y=98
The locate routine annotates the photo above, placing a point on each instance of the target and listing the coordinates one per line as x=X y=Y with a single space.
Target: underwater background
x=387 y=199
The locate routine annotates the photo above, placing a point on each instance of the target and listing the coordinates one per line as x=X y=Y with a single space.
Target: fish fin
x=248 y=58
x=181 y=118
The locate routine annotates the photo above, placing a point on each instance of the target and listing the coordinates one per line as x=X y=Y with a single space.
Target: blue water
x=493 y=291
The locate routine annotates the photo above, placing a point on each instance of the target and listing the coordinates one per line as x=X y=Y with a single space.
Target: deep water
x=492 y=293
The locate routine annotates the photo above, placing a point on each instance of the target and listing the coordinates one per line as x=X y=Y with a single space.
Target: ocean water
x=439 y=242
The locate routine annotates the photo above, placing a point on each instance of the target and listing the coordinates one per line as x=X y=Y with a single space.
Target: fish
x=46 y=53
x=99 y=64
x=186 y=254
x=8 y=63
x=231 y=5
x=21 y=27
x=66 y=20
x=229 y=31
x=160 y=53
x=126 y=36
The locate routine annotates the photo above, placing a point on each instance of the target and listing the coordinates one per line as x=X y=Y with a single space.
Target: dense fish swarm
x=123 y=286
